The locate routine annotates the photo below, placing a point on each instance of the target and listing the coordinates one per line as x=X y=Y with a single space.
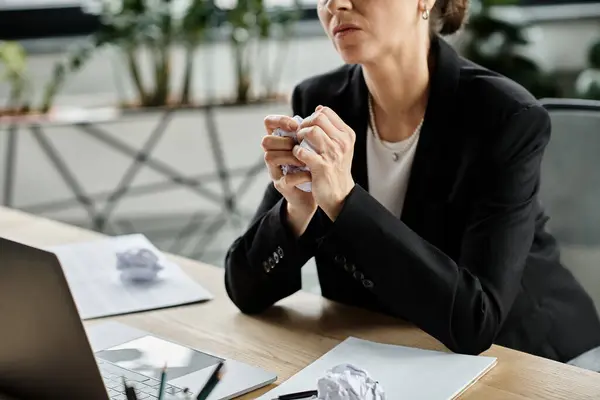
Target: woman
x=424 y=201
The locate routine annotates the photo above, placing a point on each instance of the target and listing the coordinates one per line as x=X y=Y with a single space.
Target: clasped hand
x=330 y=164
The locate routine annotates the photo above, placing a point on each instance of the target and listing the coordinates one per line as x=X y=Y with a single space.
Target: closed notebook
x=404 y=372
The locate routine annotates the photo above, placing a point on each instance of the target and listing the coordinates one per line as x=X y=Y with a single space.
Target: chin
x=356 y=51
x=354 y=54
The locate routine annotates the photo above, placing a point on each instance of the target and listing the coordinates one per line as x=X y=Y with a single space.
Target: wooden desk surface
x=304 y=326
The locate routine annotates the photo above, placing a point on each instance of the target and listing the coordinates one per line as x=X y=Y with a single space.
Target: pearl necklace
x=413 y=137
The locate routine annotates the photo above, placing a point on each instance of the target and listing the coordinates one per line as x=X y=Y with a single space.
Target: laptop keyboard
x=145 y=387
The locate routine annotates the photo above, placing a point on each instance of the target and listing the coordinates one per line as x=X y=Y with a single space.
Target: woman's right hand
x=301 y=205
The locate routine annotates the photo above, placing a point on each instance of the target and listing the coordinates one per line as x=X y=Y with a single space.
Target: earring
x=425 y=14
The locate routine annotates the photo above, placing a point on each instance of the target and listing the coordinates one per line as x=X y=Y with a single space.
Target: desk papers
x=404 y=373
x=99 y=290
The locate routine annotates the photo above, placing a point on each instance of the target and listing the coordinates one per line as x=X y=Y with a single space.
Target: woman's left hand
x=330 y=165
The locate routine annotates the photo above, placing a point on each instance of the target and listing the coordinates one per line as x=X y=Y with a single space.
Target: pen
x=298 y=395
x=129 y=391
x=163 y=379
x=186 y=394
x=210 y=384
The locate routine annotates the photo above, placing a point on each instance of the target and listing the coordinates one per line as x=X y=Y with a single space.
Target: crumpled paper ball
x=138 y=265
x=290 y=169
x=347 y=382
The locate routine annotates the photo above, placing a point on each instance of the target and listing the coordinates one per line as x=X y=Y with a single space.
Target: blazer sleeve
x=263 y=265
x=415 y=280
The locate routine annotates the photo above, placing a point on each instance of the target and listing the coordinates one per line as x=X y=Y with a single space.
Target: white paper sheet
x=404 y=373
x=99 y=291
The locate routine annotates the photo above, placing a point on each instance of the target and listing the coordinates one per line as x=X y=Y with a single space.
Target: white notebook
x=403 y=372
x=99 y=291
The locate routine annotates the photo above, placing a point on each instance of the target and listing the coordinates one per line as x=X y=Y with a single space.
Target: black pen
x=212 y=381
x=299 y=395
x=129 y=391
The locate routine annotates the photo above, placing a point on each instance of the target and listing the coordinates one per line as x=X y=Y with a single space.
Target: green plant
x=283 y=20
x=495 y=44
x=133 y=26
x=251 y=25
x=76 y=57
x=199 y=18
x=587 y=85
x=13 y=59
x=246 y=21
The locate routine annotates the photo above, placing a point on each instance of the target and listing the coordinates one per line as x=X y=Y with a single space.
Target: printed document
x=100 y=289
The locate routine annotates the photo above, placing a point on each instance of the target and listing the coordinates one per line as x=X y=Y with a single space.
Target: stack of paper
x=100 y=291
x=405 y=373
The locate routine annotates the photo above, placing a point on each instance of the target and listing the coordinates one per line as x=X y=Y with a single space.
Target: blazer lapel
x=433 y=164
x=431 y=172
x=352 y=106
x=359 y=121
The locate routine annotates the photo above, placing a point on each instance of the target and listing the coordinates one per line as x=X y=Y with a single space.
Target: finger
x=321 y=120
x=284 y=122
x=316 y=137
x=275 y=172
x=270 y=142
x=334 y=119
x=311 y=159
x=282 y=157
x=297 y=178
x=290 y=181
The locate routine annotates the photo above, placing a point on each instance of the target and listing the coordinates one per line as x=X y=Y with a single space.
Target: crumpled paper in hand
x=347 y=382
x=290 y=169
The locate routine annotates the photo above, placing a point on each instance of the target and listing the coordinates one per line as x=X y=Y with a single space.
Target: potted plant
x=136 y=31
x=133 y=28
x=13 y=64
x=249 y=25
x=156 y=26
x=494 y=43
x=587 y=85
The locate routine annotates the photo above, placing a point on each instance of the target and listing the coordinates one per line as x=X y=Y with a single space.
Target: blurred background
x=146 y=115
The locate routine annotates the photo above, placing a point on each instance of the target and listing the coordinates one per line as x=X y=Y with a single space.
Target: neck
x=399 y=85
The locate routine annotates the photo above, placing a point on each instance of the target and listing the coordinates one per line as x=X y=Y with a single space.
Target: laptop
x=46 y=353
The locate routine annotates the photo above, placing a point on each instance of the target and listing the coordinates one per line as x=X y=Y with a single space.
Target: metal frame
x=197 y=229
x=552 y=104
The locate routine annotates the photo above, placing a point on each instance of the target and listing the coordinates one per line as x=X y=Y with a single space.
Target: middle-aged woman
x=424 y=201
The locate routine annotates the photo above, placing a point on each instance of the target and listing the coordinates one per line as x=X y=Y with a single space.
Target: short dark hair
x=448 y=16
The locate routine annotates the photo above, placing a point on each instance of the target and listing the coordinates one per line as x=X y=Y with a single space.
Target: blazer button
x=271 y=262
x=368 y=284
x=266 y=267
x=339 y=259
x=349 y=267
x=280 y=251
x=358 y=275
x=276 y=257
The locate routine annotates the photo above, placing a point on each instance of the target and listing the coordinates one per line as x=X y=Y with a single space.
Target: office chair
x=570 y=187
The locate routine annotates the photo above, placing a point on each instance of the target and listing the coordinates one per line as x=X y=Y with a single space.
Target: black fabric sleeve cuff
x=275 y=248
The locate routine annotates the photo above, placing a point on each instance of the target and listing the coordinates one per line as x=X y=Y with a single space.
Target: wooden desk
x=305 y=326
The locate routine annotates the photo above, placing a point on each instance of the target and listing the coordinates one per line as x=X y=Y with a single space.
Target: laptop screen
x=148 y=355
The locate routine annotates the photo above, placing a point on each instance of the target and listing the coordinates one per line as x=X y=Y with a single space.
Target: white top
x=389 y=165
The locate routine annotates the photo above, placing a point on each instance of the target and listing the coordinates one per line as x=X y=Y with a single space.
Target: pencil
x=215 y=378
x=163 y=379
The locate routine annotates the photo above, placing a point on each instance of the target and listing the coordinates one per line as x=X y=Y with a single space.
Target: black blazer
x=469 y=262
